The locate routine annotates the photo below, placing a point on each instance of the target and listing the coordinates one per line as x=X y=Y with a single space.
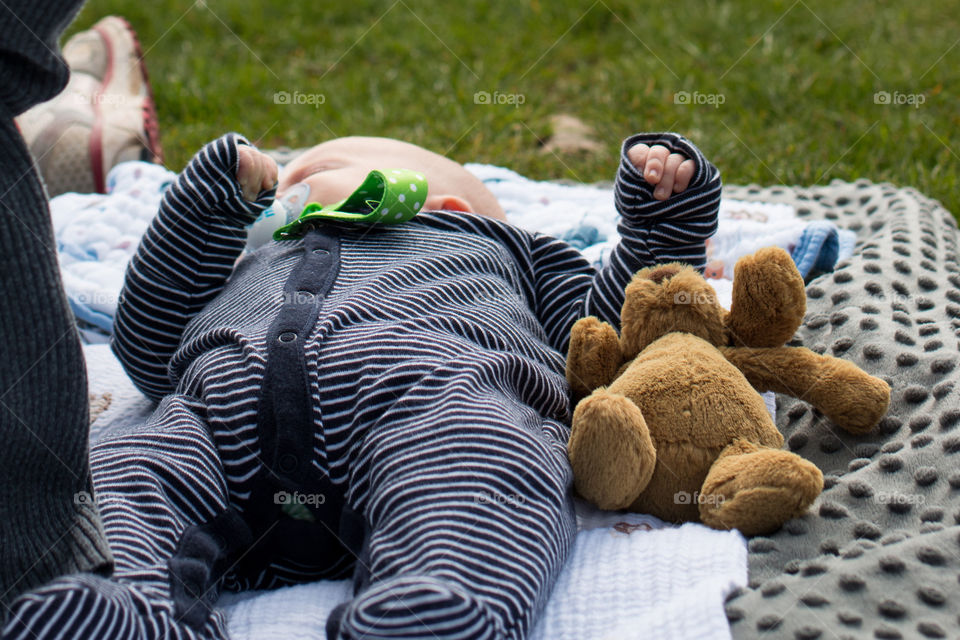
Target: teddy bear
x=670 y=420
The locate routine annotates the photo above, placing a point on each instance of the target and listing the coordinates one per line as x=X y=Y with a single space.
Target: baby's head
x=334 y=169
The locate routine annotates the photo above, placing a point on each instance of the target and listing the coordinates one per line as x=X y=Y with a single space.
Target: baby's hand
x=256 y=172
x=670 y=172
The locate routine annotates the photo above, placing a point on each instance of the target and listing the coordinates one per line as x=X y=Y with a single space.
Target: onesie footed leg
x=88 y=606
x=756 y=490
x=469 y=515
x=414 y=607
x=610 y=449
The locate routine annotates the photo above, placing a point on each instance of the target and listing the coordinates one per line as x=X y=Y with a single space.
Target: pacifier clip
x=390 y=196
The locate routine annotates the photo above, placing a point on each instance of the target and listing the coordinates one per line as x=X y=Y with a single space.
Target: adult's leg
x=44 y=531
x=467 y=495
x=162 y=495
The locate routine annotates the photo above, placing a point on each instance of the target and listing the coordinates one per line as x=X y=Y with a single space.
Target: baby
x=386 y=401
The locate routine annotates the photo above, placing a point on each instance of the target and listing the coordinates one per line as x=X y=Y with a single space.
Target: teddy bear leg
x=610 y=450
x=593 y=356
x=756 y=489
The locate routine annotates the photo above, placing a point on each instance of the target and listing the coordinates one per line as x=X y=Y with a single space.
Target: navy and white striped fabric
x=439 y=405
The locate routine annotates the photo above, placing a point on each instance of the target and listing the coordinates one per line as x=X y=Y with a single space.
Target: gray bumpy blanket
x=878 y=554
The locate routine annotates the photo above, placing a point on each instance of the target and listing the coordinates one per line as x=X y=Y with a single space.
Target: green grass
x=798 y=80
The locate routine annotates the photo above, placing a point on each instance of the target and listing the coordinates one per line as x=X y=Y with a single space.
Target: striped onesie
x=382 y=401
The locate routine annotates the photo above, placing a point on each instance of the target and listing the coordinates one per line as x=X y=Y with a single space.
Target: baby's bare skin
x=671 y=172
x=334 y=169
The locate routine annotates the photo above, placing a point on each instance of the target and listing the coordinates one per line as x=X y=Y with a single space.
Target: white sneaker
x=105 y=115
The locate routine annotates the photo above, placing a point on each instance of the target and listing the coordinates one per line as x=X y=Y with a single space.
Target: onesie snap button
x=321 y=252
x=287 y=336
x=288 y=462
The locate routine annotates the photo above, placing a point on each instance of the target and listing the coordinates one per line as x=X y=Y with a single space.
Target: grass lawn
x=773 y=92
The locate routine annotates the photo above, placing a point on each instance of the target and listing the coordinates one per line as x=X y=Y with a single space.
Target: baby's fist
x=668 y=172
x=256 y=172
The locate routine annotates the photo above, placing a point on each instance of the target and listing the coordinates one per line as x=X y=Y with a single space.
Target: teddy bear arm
x=769 y=300
x=593 y=356
x=848 y=396
x=766 y=369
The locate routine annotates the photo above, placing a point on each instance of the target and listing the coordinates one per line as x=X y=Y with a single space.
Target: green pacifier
x=390 y=196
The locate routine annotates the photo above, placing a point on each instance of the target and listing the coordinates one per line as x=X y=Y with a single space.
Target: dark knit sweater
x=48 y=527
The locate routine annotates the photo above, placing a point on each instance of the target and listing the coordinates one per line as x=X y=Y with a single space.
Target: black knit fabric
x=48 y=524
x=31 y=68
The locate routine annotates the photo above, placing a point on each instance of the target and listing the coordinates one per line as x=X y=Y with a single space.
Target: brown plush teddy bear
x=671 y=421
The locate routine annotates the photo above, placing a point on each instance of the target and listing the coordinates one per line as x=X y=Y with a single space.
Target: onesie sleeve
x=651 y=232
x=182 y=262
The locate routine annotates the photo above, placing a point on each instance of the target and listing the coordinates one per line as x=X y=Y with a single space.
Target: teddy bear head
x=667 y=298
x=768 y=304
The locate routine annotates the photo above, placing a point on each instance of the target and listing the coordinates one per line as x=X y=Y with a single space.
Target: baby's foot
x=413 y=607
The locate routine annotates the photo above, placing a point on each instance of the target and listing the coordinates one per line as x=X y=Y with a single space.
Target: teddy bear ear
x=659 y=273
x=769 y=300
x=641 y=298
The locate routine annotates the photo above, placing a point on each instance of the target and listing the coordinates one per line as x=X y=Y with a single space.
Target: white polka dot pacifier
x=390 y=196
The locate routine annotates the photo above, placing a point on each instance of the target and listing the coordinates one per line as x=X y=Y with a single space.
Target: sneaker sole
x=149 y=124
